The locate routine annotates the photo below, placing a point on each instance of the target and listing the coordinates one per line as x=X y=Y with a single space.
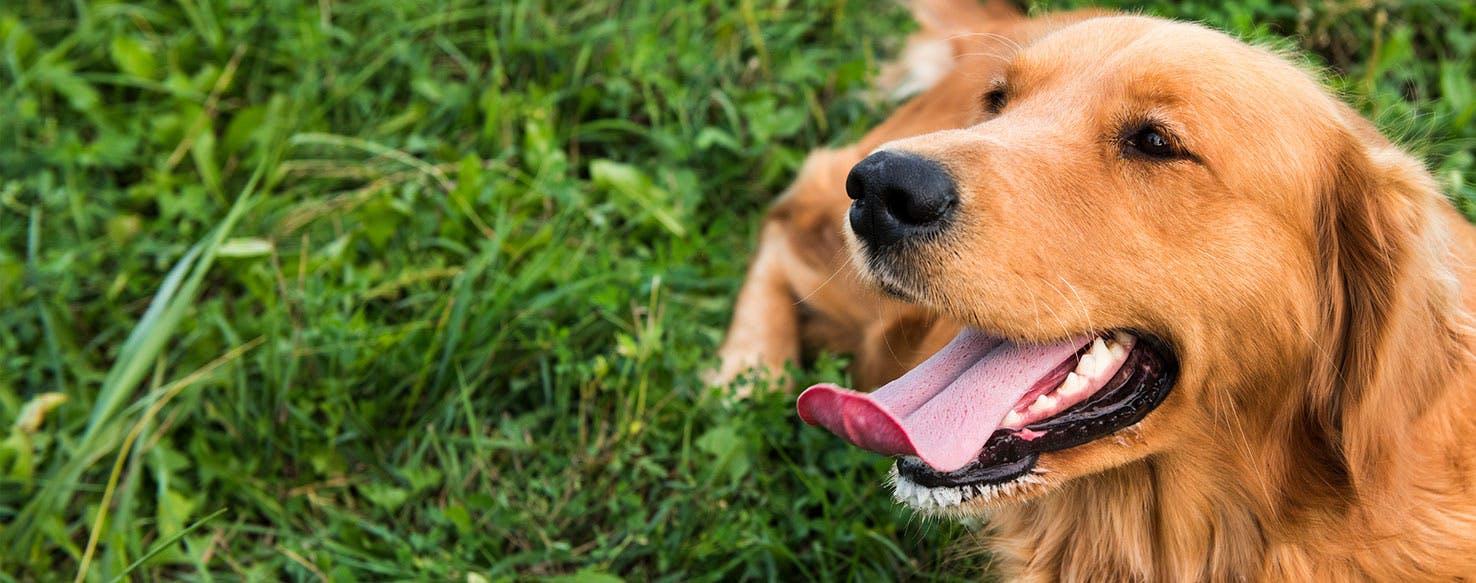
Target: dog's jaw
x=951 y=500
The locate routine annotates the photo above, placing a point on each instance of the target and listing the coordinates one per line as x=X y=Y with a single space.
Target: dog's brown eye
x=994 y=101
x=1152 y=142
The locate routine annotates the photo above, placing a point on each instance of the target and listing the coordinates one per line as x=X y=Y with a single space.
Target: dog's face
x=1134 y=179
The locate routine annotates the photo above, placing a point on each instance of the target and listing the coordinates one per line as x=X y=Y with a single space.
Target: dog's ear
x=1383 y=305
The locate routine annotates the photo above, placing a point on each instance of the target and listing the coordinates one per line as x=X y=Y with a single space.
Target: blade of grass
x=164 y=544
x=165 y=395
x=174 y=298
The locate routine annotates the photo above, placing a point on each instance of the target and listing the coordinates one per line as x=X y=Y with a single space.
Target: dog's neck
x=1193 y=518
x=1141 y=522
x=1397 y=482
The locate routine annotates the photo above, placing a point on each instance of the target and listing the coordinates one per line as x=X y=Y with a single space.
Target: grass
x=381 y=290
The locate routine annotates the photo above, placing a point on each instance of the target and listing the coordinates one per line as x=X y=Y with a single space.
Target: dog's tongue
x=945 y=409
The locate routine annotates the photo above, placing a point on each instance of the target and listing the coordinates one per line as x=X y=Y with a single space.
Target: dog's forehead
x=1110 y=51
x=1113 y=66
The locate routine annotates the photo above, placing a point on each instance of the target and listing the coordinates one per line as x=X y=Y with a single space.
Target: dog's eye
x=995 y=100
x=1152 y=142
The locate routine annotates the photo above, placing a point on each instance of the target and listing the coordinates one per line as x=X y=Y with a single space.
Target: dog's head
x=1162 y=241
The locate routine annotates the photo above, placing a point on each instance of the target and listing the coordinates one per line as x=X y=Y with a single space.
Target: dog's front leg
x=764 y=333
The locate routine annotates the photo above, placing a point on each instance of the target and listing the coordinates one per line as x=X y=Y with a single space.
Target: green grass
x=386 y=290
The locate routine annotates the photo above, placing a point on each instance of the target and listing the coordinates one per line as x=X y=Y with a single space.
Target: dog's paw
x=745 y=376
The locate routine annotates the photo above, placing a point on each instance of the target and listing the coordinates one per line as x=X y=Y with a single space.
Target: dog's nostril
x=898 y=195
x=916 y=208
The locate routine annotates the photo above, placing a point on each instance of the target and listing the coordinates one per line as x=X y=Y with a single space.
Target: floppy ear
x=1385 y=308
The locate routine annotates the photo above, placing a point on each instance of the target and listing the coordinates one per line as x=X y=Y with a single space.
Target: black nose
x=898 y=195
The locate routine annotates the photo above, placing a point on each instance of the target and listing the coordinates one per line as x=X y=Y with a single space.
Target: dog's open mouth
x=981 y=410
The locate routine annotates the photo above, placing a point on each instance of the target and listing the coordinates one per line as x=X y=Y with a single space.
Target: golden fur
x=1308 y=274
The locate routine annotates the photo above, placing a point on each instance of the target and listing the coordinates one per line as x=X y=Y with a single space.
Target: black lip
x=1140 y=385
x=974 y=473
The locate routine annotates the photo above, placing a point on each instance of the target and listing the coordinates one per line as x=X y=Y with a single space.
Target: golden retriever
x=1194 y=318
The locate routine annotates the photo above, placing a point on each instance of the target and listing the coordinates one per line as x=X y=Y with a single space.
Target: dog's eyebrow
x=1154 y=100
x=1021 y=69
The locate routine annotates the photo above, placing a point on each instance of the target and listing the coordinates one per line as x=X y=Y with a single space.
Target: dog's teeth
x=1012 y=419
x=1087 y=365
x=1073 y=385
x=1122 y=346
x=1043 y=404
x=1100 y=355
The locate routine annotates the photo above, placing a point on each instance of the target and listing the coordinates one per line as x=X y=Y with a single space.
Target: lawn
x=387 y=290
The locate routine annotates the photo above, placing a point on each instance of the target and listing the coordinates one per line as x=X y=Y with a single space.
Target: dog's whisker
x=1014 y=45
x=998 y=57
x=838 y=269
x=1086 y=312
x=1036 y=304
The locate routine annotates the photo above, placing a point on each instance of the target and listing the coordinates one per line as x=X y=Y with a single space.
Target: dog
x=1190 y=316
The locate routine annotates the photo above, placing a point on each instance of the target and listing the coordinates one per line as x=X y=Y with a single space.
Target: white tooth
x=1100 y=355
x=1123 y=338
x=1087 y=365
x=1043 y=404
x=1012 y=419
x=1073 y=385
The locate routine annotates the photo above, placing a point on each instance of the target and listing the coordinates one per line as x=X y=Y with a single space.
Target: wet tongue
x=944 y=410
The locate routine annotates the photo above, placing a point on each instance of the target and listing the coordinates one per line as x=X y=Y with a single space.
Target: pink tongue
x=945 y=409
